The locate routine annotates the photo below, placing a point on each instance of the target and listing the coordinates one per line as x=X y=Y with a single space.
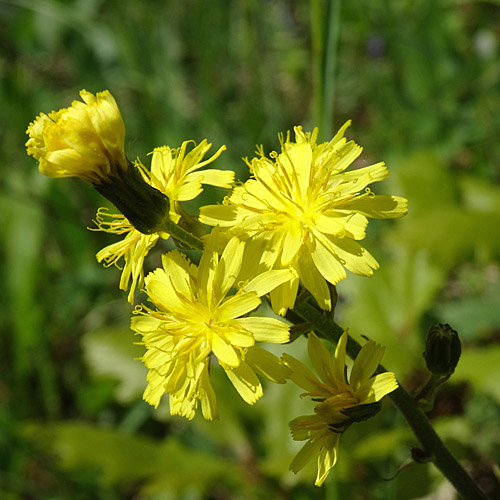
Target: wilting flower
x=175 y=174
x=300 y=209
x=195 y=318
x=341 y=401
x=85 y=140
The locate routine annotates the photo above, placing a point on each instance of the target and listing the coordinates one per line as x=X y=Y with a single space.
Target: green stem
x=324 y=40
x=317 y=60
x=324 y=326
x=180 y=234
x=329 y=67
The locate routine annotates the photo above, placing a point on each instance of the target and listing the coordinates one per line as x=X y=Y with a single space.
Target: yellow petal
x=207 y=397
x=327 y=457
x=313 y=281
x=320 y=358
x=66 y=163
x=364 y=176
x=306 y=453
x=283 y=296
x=325 y=260
x=238 y=305
x=229 y=266
x=212 y=176
x=162 y=293
x=245 y=382
x=106 y=119
x=154 y=391
x=366 y=363
x=265 y=329
x=145 y=324
x=376 y=388
x=236 y=336
x=353 y=224
x=269 y=280
x=273 y=248
x=224 y=351
x=340 y=134
x=377 y=206
x=300 y=374
x=176 y=266
x=207 y=268
x=188 y=190
x=163 y=164
x=339 y=359
x=353 y=256
x=300 y=157
x=222 y=215
x=306 y=426
x=345 y=156
x=268 y=365
x=329 y=225
x=291 y=243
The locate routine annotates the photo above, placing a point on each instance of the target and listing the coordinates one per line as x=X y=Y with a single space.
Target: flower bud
x=146 y=208
x=442 y=350
x=85 y=140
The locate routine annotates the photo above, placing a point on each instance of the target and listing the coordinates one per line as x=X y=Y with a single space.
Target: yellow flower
x=133 y=248
x=85 y=140
x=174 y=173
x=195 y=318
x=339 y=398
x=301 y=209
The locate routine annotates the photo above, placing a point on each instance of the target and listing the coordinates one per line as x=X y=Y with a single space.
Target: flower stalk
x=179 y=234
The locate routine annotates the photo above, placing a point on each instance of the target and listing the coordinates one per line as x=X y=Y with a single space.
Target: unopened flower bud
x=145 y=207
x=442 y=350
x=86 y=140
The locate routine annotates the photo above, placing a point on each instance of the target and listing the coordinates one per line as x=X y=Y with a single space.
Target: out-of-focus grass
x=420 y=83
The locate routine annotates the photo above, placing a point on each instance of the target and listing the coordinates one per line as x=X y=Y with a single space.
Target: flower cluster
x=295 y=222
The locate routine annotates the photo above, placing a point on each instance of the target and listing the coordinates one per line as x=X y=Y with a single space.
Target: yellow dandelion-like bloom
x=195 y=318
x=337 y=397
x=301 y=209
x=175 y=173
x=85 y=140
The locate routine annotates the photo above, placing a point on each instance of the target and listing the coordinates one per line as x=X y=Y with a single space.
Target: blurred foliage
x=419 y=80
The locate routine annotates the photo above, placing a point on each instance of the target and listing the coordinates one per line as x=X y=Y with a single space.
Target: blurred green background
x=420 y=81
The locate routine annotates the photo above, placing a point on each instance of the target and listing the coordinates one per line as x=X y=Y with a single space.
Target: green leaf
x=112 y=353
x=480 y=367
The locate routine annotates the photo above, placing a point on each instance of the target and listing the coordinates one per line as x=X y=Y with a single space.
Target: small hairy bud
x=442 y=350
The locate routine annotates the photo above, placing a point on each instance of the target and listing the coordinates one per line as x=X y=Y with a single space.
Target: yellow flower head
x=195 y=318
x=175 y=173
x=336 y=397
x=301 y=209
x=85 y=140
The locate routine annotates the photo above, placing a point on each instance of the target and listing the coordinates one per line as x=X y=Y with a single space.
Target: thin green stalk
x=317 y=45
x=329 y=67
x=324 y=326
x=324 y=43
x=180 y=234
